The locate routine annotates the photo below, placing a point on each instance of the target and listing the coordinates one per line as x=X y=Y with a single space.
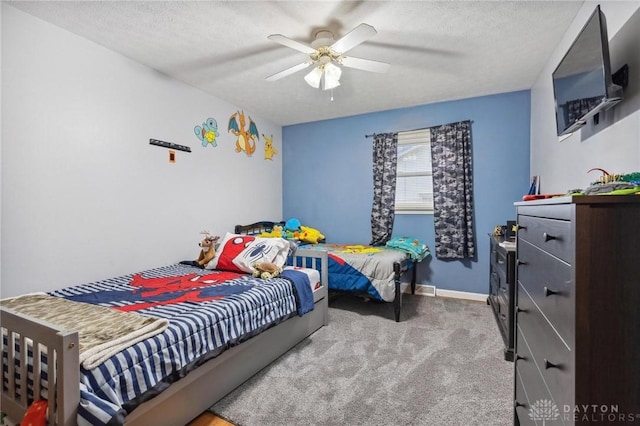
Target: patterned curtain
x=453 y=190
x=385 y=155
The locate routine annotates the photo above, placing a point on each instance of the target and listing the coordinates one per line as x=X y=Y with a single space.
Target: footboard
x=318 y=260
x=315 y=259
x=56 y=368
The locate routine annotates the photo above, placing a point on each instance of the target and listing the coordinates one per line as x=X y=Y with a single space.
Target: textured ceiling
x=438 y=51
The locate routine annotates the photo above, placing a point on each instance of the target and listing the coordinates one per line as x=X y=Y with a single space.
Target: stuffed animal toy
x=276 y=232
x=208 y=251
x=309 y=235
x=266 y=270
x=292 y=225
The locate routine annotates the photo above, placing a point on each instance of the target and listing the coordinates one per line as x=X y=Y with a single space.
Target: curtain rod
x=414 y=130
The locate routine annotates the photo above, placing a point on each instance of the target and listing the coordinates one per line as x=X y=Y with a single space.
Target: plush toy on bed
x=276 y=232
x=208 y=251
x=266 y=270
x=309 y=235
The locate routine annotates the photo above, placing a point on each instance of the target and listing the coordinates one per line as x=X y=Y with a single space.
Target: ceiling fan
x=327 y=54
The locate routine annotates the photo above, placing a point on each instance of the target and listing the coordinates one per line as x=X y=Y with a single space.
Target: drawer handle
x=548 y=237
x=548 y=365
x=548 y=292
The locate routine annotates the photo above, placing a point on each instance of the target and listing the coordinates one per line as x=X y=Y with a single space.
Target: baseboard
x=426 y=290
x=421 y=289
x=454 y=294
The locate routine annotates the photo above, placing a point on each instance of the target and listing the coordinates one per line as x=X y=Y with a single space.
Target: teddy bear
x=266 y=270
x=208 y=245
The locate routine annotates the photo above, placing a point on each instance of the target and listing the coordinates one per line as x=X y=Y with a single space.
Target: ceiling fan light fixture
x=332 y=75
x=330 y=84
x=327 y=56
x=314 y=77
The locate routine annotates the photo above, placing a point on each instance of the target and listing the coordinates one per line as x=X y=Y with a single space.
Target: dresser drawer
x=552 y=358
x=494 y=279
x=551 y=235
x=501 y=260
x=530 y=388
x=503 y=300
x=522 y=404
x=548 y=282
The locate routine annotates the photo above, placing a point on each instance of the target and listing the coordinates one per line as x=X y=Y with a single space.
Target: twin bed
x=372 y=272
x=196 y=334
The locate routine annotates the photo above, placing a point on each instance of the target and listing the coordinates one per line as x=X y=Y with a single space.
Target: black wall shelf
x=169 y=145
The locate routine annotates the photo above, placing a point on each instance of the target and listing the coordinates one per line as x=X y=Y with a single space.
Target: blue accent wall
x=328 y=179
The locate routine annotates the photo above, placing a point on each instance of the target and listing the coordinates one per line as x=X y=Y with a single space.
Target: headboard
x=256 y=228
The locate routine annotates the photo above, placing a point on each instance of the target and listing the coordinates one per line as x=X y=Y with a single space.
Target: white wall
x=84 y=195
x=614 y=145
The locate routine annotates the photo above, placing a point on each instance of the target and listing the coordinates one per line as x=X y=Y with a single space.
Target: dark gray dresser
x=501 y=289
x=577 y=339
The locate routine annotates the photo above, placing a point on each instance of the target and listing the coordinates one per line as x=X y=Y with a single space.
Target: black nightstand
x=501 y=290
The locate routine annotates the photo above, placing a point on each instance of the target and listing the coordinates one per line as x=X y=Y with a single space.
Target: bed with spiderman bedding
x=375 y=272
x=160 y=346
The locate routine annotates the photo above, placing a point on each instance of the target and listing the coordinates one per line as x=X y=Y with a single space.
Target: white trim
x=415 y=212
x=454 y=294
x=451 y=294
x=421 y=289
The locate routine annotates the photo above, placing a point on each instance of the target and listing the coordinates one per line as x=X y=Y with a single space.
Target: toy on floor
x=266 y=270
x=36 y=414
x=208 y=251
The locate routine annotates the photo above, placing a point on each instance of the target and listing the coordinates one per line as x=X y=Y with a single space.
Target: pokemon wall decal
x=208 y=132
x=246 y=139
x=269 y=150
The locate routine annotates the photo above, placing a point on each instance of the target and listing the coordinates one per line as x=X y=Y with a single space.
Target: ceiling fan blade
x=286 y=41
x=289 y=71
x=364 y=64
x=358 y=35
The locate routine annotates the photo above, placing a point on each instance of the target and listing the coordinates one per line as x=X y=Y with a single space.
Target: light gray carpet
x=442 y=365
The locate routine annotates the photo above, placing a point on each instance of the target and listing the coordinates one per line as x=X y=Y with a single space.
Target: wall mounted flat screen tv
x=582 y=83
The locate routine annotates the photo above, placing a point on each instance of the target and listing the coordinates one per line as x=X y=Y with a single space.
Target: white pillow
x=238 y=253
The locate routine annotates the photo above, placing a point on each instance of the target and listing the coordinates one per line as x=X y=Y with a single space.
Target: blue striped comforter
x=208 y=312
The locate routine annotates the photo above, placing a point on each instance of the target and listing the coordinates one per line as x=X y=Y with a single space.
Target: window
x=414 y=184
